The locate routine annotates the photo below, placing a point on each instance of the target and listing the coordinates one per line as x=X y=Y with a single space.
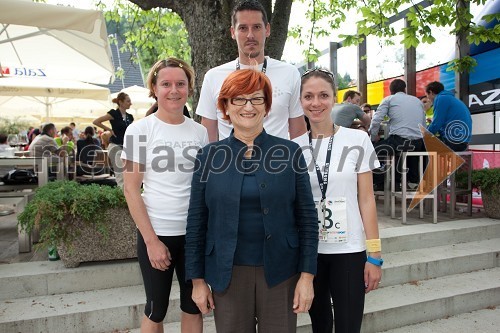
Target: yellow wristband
x=373 y=245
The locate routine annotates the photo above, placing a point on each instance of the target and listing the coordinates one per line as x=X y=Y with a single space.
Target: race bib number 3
x=332 y=220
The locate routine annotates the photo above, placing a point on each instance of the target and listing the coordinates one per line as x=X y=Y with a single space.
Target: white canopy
x=38 y=39
x=52 y=98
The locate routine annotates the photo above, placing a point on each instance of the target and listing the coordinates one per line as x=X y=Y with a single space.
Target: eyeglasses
x=240 y=101
x=322 y=70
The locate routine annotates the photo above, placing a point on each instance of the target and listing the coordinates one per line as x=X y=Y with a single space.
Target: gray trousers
x=248 y=302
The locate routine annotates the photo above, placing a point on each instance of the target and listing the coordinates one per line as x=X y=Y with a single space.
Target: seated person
x=66 y=139
x=429 y=110
x=105 y=136
x=44 y=145
x=31 y=136
x=3 y=143
x=86 y=151
x=367 y=109
x=346 y=113
x=452 y=119
x=406 y=116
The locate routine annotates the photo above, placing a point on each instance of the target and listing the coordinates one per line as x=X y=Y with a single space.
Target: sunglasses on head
x=322 y=70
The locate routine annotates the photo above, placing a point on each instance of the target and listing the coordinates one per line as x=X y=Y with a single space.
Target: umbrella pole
x=48 y=107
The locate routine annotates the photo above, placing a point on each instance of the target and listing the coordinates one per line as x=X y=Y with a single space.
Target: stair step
x=39 y=278
x=411 y=303
x=208 y=327
x=113 y=309
x=397 y=307
x=122 y=308
x=50 y=278
x=484 y=321
x=420 y=236
x=449 y=268
x=429 y=263
x=88 y=311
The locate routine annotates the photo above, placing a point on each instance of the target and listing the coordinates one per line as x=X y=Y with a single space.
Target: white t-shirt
x=168 y=153
x=285 y=81
x=342 y=182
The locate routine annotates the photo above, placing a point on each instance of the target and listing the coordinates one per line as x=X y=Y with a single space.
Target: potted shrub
x=84 y=222
x=488 y=182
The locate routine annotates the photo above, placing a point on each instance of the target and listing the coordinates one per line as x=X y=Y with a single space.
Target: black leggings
x=341 y=277
x=158 y=283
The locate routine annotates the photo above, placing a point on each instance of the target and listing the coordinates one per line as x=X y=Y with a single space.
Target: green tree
x=156 y=34
x=13 y=126
x=328 y=15
x=343 y=82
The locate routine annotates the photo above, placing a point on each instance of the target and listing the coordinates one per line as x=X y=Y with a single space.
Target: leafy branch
x=454 y=14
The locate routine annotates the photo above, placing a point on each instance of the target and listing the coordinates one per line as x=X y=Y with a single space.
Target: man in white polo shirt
x=250 y=28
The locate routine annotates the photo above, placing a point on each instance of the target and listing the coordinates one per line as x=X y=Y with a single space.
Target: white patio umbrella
x=52 y=98
x=139 y=96
x=38 y=39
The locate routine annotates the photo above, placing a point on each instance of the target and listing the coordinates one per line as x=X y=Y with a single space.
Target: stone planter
x=491 y=203
x=91 y=245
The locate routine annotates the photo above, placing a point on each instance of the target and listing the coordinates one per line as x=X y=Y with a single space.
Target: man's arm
x=366 y=120
x=379 y=115
x=438 y=120
x=207 y=106
x=212 y=128
x=51 y=146
x=296 y=127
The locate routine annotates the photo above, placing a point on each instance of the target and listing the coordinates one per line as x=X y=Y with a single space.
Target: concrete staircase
x=431 y=272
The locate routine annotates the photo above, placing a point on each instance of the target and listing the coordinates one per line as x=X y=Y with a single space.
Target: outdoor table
x=22 y=153
x=40 y=164
x=14 y=195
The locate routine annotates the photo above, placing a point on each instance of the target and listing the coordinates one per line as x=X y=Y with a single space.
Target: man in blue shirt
x=452 y=119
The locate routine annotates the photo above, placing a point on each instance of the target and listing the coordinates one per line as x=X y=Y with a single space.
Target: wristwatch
x=375 y=261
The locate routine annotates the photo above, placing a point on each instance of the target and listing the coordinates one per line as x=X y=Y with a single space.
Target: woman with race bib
x=340 y=161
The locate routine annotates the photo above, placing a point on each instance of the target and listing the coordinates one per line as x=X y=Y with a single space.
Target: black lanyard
x=322 y=180
x=264 y=66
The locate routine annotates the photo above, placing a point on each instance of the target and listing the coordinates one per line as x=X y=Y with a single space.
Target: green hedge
x=56 y=205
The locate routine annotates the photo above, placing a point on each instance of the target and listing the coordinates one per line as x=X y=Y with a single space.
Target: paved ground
x=9 y=249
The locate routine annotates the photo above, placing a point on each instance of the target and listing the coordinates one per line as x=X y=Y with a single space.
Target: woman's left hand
x=304 y=293
x=373 y=274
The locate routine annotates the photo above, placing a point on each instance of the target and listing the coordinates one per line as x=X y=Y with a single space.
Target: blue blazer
x=288 y=210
